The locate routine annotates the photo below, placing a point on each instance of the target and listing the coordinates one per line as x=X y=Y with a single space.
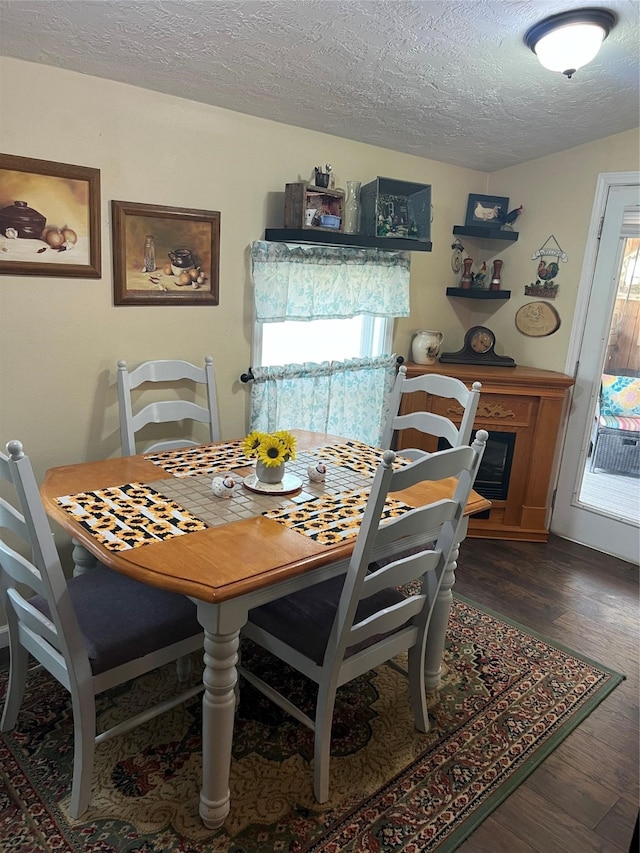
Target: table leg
x=437 y=633
x=83 y=560
x=218 y=711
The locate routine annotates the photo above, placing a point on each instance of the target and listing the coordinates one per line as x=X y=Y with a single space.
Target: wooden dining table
x=155 y=518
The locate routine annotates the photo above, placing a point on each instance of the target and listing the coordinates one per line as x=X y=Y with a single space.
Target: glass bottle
x=352 y=208
x=149 y=253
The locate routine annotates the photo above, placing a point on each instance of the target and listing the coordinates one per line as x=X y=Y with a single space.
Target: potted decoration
x=271 y=451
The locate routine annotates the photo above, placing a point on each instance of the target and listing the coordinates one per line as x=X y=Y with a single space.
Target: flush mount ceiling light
x=568 y=40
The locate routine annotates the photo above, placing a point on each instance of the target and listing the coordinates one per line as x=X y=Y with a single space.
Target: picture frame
x=185 y=243
x=49 y=218
x=485 y=211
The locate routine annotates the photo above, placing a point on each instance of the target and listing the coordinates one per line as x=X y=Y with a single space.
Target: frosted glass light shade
x=570 y=47
x=569 y=40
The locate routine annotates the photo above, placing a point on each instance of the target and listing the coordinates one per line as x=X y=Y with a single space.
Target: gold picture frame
x=165 y=255
x=49 y=218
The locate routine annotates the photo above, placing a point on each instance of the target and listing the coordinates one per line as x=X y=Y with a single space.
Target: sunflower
x=271 y=451
x=252 y=442
x=270 y=448
x=289 y=443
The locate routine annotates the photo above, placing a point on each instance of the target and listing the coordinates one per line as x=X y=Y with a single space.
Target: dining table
x=156 y=518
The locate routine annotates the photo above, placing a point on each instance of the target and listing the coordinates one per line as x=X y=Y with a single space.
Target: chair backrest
x=425 y=564
x=56 y=642
x=165 y=411
x=430 y=422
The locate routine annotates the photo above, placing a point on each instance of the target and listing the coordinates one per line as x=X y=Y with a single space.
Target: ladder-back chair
x=341 y=628
x=92 y=632
x=165 y=372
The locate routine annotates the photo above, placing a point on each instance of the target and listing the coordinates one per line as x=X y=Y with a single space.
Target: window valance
x=295 y=282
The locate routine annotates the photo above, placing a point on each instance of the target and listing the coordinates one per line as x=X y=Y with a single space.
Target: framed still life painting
x=165 y=255
x=49 y=218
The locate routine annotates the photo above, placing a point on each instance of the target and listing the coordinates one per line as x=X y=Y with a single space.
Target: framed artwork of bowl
x=49 y=218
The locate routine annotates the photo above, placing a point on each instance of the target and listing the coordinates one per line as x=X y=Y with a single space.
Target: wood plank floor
x=584 y=798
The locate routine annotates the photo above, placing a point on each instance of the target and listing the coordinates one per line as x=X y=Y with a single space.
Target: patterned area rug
x=508 y=699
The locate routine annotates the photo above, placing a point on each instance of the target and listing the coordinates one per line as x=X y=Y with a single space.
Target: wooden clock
x=478 y=348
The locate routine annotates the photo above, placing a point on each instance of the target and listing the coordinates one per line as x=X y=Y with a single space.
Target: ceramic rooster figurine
x=506 y=220
x=546 y=273
x=480 y=276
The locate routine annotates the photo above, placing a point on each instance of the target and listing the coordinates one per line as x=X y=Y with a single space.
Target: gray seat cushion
x=304 y=619
x=122 y=619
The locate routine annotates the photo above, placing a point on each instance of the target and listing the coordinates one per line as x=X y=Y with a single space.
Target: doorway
x=586 y=509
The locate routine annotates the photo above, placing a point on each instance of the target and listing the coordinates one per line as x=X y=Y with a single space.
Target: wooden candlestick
x=497 y=272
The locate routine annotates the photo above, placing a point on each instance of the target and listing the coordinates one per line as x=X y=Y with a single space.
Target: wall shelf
x=485 y=233
x=470 y=293
x=335 y=238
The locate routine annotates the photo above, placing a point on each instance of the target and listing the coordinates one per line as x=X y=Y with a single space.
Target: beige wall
x=60 y=338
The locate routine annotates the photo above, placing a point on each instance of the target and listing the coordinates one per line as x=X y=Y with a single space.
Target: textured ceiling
x=451 y=81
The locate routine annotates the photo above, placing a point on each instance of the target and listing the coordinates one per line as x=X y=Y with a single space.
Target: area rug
x=508 y=699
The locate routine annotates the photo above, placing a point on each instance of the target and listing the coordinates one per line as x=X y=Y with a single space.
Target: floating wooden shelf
x=478 y=293
x=485 y=233
x=335 y=238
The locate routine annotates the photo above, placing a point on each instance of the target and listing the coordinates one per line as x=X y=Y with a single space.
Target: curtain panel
x=349 y=398
x=294 y=282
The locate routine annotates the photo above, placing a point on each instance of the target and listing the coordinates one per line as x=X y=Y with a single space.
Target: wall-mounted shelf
x=485 y=233
x=362 y=241
x=478 y=293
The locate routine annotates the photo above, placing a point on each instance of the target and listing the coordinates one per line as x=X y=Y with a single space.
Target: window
x=321 y=340
x=325 y=303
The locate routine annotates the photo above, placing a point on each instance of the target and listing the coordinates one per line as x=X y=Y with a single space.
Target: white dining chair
x=92 y=632
x=172 y=378
x=427 y=422
x=341 y=628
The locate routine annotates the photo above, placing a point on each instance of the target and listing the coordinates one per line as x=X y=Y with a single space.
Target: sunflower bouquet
x=270 y=448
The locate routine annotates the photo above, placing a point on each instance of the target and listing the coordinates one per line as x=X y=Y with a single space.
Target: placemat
x=200 y=460
x=127 y=516
x=358 y=457
x=335 y=517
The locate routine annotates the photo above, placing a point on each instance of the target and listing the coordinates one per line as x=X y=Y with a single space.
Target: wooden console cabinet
x=523 y=400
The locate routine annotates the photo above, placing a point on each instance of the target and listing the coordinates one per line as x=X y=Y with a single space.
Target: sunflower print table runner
x=123 y=517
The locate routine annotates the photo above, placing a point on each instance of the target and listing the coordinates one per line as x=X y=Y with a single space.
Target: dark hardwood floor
x=585 y=795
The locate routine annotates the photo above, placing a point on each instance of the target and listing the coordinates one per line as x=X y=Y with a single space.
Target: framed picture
x=486 y=211
x=164 y=255
x=49 y=218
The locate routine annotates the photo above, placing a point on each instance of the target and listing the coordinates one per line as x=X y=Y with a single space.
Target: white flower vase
x=425 y=346
x=271 y=475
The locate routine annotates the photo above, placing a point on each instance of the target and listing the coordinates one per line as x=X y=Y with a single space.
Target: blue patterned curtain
x=347 y=398
x=328 y=282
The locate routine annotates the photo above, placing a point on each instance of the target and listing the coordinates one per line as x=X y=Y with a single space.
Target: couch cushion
x=620 y=396
x=613 y=422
